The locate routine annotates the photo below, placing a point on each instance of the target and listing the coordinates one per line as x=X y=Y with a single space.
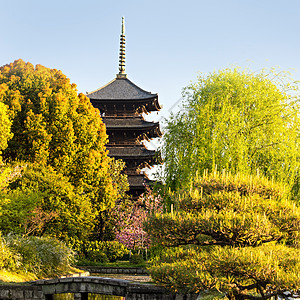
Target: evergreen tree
x=235 y=234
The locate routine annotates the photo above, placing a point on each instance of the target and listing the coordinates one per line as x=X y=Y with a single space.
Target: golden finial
x=122 y=73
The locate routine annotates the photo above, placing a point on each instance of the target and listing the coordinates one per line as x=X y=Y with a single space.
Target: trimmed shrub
x=112 y=249
x=97 y=256
x=234 y=233
x=98 y=251
x=136 y=259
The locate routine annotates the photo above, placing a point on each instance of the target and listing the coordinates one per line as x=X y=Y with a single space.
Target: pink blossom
x=131 y=233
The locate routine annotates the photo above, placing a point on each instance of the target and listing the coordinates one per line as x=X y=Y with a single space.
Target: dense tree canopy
x=235 y=120
x=41 y=201
x=235 y=234
x=5 y=125
x=58 y=139
x=55 y=126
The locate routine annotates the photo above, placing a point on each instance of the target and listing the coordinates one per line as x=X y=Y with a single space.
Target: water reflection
x=69 y=296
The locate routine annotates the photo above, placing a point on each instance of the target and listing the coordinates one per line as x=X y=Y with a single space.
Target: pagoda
x=122 y=105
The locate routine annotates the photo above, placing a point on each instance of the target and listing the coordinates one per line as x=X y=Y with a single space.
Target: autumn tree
x=235 y=120
x=5 y=125
x=52 y=126
x=235 y=234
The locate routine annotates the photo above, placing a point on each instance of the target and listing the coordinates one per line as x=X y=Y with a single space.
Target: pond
x=69 y=296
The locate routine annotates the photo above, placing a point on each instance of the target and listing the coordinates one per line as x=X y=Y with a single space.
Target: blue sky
x=167 y=42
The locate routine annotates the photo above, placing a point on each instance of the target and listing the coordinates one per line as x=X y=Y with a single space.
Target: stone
x=82 y=287
x=37 y=294
x=67 y=279
x=17 y=293
x=4 y=293
x=28 y=294
x=61 y=287
x=77 y=296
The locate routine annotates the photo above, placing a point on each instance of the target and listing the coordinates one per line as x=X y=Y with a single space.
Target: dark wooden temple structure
x=122 y=105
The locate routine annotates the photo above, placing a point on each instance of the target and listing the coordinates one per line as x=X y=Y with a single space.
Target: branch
x=265 y=146
x=247 y=287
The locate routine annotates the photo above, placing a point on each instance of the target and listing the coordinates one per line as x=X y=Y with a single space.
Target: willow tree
x=53 y=125
x=234 y=120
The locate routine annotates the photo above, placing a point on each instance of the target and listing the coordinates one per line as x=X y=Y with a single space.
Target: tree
x=130 y=220
x=5 y=125
x=235 y=234
x=55 y=128
x=39 y=201
x=106 y=225
x=235 y=120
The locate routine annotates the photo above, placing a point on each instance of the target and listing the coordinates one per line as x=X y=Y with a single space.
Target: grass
x=21 y=277
x=15 y=277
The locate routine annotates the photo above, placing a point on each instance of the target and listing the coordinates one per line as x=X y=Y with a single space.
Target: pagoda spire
x=122 y=73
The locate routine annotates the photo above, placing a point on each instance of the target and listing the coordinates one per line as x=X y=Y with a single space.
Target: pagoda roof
x=120 y=89
x=120 y=123
x=130 y=152
x=138 y=181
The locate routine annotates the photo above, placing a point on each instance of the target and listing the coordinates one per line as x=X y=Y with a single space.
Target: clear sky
x=167 y=42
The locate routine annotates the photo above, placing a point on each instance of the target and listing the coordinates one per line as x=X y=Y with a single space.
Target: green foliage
x=53 y=126
x=37 y=200
x=40 y=256
x=98 y=251
x=229 y=210
x=72 y=212
x=17 y=211
x=8 y=173
x=136 y=259
x=18 y=208
x=235 y=120
x=57 y=179
x=238 y=272
x=96 y=255
x=9 y=259
x=238 y=234
x=5 y=125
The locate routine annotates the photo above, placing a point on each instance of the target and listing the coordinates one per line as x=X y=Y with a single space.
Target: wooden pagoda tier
x=121 y=97
x=137 y=129
x=122 y=104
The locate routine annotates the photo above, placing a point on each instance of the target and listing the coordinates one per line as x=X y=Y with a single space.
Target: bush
x=112 y=249
x=96 y=255
x=136 y=259
x=42 y=256
x=8 y=258
x=98 y=251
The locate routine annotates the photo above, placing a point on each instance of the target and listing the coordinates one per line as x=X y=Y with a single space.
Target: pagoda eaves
x=120 y=89
x=121 y=104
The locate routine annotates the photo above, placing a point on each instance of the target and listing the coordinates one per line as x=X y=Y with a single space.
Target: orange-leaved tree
x=53 y=125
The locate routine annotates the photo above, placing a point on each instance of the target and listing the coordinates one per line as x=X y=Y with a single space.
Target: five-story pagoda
x=122 y=104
